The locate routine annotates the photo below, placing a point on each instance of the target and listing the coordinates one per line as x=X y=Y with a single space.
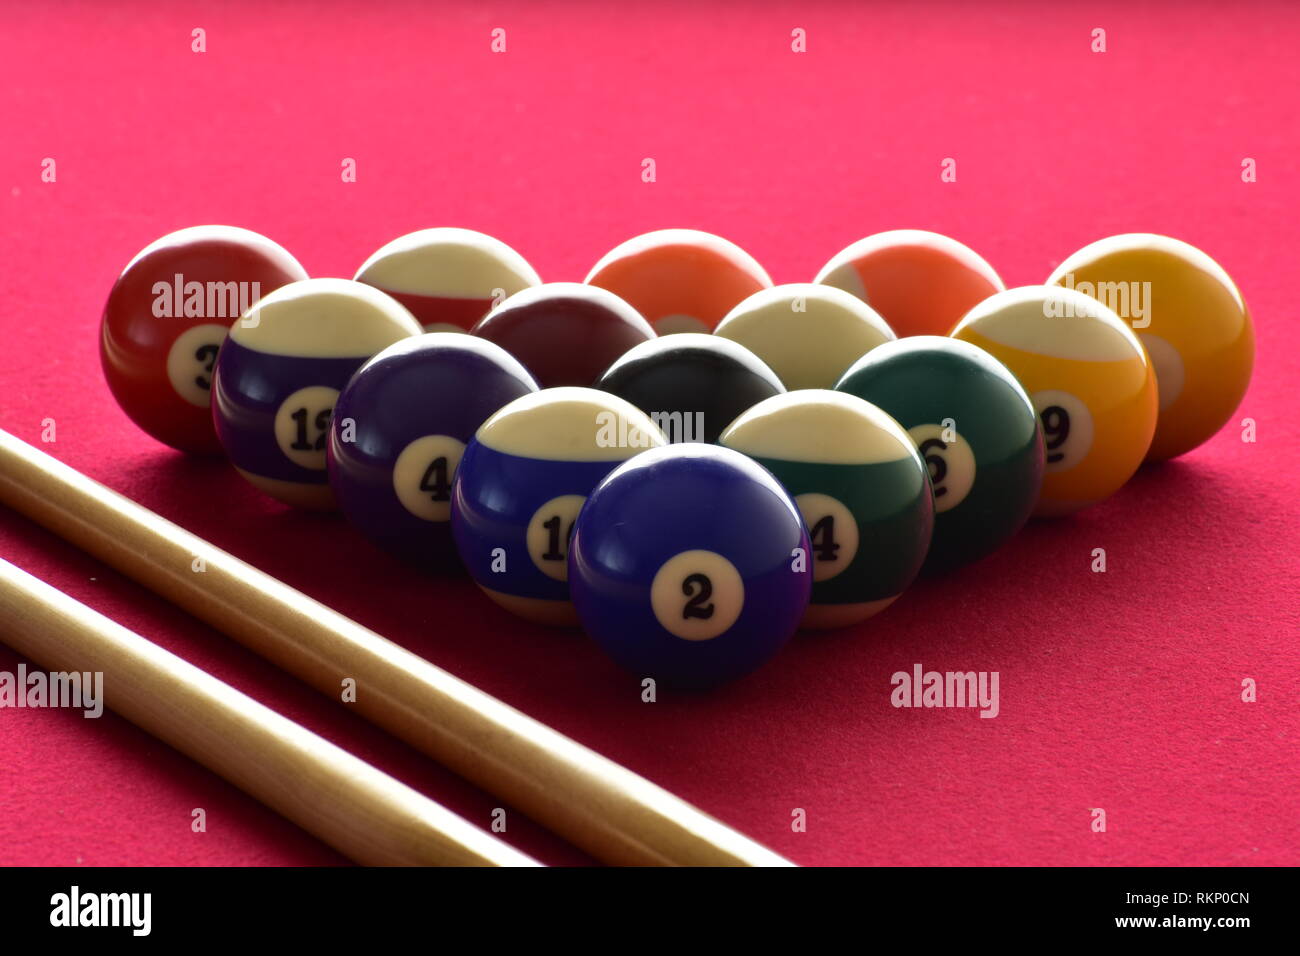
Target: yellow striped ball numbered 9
x=1089 y=379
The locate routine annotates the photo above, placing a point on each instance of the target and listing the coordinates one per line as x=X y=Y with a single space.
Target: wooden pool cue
x=612 y=813
x=363 y=813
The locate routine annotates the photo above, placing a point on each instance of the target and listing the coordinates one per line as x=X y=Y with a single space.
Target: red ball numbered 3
x=167 y=316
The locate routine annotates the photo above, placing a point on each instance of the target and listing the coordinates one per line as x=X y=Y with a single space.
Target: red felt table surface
x=1120 y=691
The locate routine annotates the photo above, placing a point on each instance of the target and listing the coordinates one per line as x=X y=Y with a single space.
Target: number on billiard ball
x=822 y=535
x=697 y=595
x=832 y=534
x=699 y=589
x=936 y=463
x=436 y=481
x=302 y=423
x=322 y=426
x=422 y=474
x=206 y=356
x=553 y=552
x=1056 y=431
x=549 y=532
x=949 y=460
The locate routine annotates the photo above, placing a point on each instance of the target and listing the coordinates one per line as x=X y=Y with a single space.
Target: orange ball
x=922 y=283
x=681 y=280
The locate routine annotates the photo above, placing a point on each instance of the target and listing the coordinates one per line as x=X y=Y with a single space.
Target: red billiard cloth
x=1120 y=691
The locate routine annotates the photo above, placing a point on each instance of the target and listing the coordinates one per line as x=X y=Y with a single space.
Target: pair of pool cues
x=613 y=814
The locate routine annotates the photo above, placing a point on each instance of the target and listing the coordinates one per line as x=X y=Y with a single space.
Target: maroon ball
x=565 y=333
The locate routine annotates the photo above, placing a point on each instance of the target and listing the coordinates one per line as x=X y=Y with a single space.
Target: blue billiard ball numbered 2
x=690 y=565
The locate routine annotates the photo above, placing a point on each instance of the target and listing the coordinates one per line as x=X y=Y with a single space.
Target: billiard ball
x=688 y=565
x=166 y=317
x=448 y=278
x=920 y=282
x=1089 y=379
x=807 y=334
x=280 y=372
x=1190 y=318
x=565 y=333
x=521 y=482
x=681 y=280
x=692 y=385
x=399 y=429
x=976 y=429
x=861 y=487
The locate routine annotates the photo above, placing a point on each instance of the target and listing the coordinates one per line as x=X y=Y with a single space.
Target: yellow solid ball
x=1192 y=320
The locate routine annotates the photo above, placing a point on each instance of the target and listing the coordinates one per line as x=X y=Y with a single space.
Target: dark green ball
x=976 y=428
x=862 y=490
